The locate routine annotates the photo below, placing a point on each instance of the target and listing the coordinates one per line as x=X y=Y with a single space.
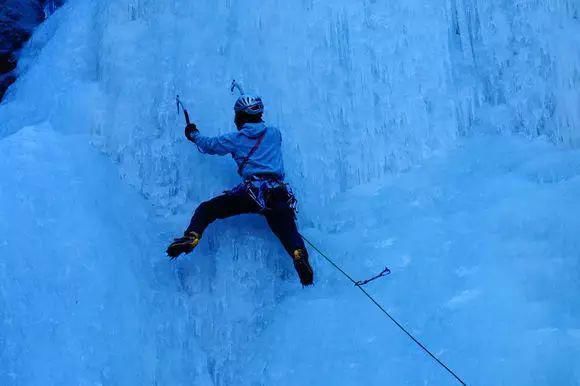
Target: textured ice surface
x=525 y=59
x=382 y=107
x=84 y=298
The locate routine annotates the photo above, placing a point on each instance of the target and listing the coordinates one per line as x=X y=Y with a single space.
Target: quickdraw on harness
x=259 y=189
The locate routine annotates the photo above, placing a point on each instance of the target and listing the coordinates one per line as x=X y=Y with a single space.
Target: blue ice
x=441 y=140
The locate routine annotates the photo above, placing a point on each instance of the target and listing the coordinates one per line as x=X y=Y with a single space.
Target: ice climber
x=256 y=148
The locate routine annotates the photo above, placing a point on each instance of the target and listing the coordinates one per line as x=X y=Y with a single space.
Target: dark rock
x=5 y=81
x=18 y=18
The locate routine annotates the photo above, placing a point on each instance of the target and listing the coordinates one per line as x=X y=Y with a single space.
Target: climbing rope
x=359 y=285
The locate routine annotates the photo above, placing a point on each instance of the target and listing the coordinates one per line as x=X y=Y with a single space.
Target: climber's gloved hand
x=191 y=131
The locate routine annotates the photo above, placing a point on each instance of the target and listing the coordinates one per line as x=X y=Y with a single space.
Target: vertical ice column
x=522 y=63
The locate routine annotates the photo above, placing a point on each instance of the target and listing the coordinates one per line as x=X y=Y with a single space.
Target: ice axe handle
x=179 y=104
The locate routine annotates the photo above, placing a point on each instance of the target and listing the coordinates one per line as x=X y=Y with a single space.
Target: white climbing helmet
x=251 y=105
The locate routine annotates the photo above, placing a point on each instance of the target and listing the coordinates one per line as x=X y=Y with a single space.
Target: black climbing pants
x=279 y=215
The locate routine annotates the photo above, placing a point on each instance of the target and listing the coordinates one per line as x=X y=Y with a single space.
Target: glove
x=190 y=131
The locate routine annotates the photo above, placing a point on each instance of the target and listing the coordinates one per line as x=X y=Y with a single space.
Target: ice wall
x=387 y=83
x=354 y=87
x=326 y=72
x=484 y=252
x=518 y=66
x=83 y=296
x=361 y=91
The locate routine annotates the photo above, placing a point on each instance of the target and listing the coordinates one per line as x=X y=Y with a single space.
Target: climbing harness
x=360 y=284
x=260 y=187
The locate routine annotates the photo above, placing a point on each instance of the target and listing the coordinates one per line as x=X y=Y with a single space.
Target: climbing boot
x=300 y=257
x=184 y=244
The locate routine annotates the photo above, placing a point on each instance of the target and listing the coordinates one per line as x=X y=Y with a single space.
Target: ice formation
x=440 y=139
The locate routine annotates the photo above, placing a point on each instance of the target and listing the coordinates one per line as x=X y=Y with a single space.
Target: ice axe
x=235 y=85
x=238 y=86
x=180 y=105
